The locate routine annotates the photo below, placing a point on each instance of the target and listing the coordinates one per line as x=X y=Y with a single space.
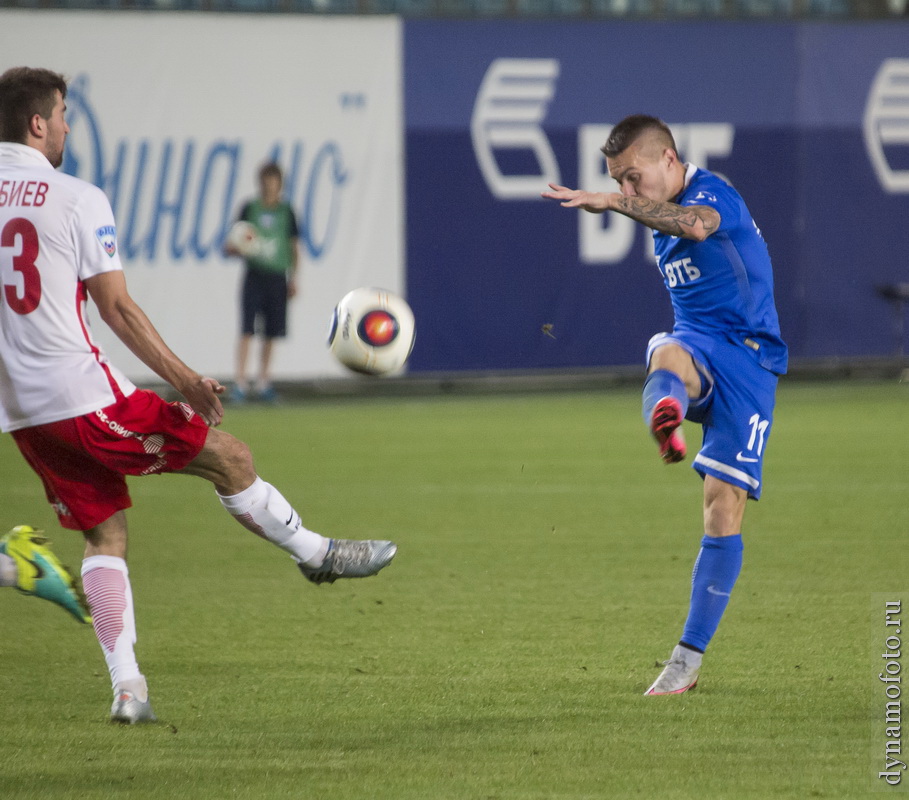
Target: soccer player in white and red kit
x=78 y=421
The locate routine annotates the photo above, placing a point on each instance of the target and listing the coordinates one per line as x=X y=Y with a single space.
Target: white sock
x=105 y=580
x=9 y=572
x=263 y=510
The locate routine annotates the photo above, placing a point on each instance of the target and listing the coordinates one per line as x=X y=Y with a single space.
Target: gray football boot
x=128 y=709
x=680 y=674
x=351 y=558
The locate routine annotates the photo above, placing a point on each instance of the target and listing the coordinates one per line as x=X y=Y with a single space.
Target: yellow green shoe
x=41 y=574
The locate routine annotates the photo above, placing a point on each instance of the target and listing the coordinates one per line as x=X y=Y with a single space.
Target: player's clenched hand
x=202 y=395
x=596 y=202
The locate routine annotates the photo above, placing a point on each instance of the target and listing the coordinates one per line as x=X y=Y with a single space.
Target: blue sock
x=715 y=572
x=659 y=384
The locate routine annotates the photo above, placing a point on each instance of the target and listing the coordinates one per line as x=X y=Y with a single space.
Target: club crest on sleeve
x=710 y=197
x=108 y=238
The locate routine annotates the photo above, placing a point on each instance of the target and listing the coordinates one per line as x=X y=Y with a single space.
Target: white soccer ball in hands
x=372 y=331
x=243 y=238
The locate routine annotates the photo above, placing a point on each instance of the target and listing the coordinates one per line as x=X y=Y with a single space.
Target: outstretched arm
x=135 y=330
x=292 y=285
x=688 y=222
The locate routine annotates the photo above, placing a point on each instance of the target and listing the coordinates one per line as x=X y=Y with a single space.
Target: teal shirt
x=277 y=230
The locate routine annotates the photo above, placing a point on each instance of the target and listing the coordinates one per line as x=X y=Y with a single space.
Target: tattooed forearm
x=689 y=222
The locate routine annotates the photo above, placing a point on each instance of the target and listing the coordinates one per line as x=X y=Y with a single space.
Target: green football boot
x=41 y=574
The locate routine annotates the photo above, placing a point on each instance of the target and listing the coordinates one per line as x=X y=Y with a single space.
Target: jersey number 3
x=22 y=300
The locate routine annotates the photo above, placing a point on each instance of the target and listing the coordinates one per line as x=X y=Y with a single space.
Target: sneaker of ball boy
x=351 y=558
x=41 y=574
x=680 y=673
x=129 y=709
x=665 y=425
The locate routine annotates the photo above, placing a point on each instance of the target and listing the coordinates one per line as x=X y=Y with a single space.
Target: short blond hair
x=630 y=129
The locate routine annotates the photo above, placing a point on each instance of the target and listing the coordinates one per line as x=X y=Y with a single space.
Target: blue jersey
x=723 y=286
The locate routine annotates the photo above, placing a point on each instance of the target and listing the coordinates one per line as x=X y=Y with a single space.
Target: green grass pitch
x=543 y=569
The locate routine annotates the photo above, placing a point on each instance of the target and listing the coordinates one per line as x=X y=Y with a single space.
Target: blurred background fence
x=534 y=9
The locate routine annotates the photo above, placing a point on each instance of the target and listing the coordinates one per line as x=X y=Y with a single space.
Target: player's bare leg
x=109 y=538
x=259 y=507
x=241 y=383
x=263 y=384
x=105 y=579
x=715 y=572
x=724 y=507
x=671 y=380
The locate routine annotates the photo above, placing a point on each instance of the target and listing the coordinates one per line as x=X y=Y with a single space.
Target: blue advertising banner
x=810 y=122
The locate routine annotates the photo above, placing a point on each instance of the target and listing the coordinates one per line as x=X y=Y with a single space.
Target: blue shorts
x=264 y=300
x=735 y=408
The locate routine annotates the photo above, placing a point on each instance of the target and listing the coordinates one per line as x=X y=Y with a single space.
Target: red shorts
x=83 y=461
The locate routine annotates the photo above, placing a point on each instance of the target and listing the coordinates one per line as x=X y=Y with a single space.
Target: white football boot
x=680 y=673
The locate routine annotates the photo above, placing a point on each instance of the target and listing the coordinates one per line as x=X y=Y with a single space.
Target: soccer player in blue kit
x=719 y=365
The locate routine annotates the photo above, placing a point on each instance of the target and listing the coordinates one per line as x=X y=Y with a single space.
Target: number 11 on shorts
x=758 y=433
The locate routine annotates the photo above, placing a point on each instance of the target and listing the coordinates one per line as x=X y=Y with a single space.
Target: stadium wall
x=172 y=114
x=415 y=152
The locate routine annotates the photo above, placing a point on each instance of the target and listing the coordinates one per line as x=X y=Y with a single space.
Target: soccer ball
x=243 y=238
x=372 y=331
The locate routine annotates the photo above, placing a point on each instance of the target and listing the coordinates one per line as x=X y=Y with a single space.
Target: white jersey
x=55 y=231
